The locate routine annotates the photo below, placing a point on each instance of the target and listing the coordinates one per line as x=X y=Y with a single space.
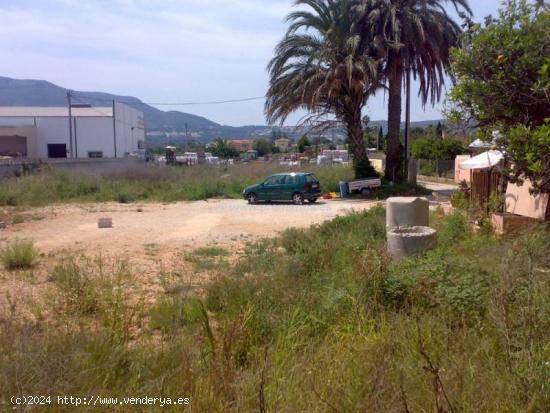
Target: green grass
x=19 y=255
x=150 y=183
x=208 y=259
x=314 y=320
x=18 y=219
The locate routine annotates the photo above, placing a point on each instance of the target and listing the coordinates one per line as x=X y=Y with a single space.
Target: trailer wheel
x=366 y=192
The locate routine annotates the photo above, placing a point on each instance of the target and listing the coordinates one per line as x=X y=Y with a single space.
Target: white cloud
x=161 y=50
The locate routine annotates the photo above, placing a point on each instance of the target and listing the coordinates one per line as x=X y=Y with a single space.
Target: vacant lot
x=169 y=226
x=157 y=242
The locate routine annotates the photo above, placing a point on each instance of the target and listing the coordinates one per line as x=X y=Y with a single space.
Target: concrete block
x=407 y=212
x=505 y=224
x=105 y=223
x=404 y=242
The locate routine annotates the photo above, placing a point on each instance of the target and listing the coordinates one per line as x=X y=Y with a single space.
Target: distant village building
x=90 y=132
x=283 y=144
x=251 y=155
x=242 y=145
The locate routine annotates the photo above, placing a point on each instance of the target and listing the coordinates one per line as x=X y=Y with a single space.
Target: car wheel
x=312 y=200
x=298 y=199
x=252 y=199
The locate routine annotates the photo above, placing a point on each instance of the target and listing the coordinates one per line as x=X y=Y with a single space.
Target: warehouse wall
x=126 y=119
x=90 y=133
x=29 y=132
x=94 y=134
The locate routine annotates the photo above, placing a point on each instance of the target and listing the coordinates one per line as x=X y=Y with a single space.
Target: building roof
x=239 y=141
x=41 y=111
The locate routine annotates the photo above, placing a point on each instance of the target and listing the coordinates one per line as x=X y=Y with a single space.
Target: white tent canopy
x=483 y=160
x=479 y=144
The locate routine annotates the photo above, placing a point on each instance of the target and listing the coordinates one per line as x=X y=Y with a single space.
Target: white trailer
x=364 y=186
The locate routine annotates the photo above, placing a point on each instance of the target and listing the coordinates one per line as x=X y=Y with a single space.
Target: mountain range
x=161 y=126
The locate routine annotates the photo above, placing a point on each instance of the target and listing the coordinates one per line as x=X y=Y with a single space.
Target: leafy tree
x=320 y=67
x=410 y=36
x=502 y=69
x=263 y=147
x=503 y=74
x=302 y=143
x=370 y=133
x=222 y=149
x=380 y=143
x=437 y=149
x=529 y=150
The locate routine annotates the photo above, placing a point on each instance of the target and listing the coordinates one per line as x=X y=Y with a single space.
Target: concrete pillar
x=407 y=212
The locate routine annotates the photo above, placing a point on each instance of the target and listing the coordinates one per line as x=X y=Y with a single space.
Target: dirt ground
x=166 y=226
x=156 y=241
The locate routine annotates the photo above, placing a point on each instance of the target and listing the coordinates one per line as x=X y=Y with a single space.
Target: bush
x=149 y=182
x=322 y=310
x=169 y=314
x=459 y=200
x=19 y=255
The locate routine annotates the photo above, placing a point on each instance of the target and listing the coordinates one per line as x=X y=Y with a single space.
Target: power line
x=212 y=102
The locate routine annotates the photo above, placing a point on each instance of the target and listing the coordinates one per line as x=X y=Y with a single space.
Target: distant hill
x=171 y=125
x=15 y=92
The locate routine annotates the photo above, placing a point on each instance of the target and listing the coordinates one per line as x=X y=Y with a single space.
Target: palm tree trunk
x=361 y=162
x=393 y=170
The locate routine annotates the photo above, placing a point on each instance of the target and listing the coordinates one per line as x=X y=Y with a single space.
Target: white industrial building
x=82 y=132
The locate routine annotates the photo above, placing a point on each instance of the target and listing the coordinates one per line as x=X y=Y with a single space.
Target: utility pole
x=69 y=105
x=407 y=122
x=186 y=136
x=114 y=129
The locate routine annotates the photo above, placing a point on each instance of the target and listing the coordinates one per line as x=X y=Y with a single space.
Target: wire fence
x=442 y=169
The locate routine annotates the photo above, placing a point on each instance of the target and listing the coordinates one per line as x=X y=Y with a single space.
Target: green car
x=295 y=187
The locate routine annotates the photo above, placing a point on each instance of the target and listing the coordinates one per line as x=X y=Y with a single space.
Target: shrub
x=169 y=314
x=459 y=200
x=80 y=290
x=19 y=255
x=18 y=219
x=454 y=228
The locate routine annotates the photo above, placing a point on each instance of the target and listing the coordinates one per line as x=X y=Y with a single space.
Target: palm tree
x=412 y=37
x=320 y=67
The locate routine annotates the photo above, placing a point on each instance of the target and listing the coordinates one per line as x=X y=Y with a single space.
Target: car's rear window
x=311 y=178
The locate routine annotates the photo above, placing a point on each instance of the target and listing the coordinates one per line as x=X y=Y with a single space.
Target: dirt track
x=183 y=224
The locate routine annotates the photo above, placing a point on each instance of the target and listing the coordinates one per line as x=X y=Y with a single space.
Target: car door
x=289 y=186
x=271 y=188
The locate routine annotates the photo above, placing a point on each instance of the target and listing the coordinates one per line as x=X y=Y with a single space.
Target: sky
x=162 y=51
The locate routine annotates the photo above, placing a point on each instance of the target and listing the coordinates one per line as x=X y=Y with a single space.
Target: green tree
x=411 y=37
x=437 y=149
x=222 y=149
x=380 y=142
x=502 y=70
x=263 y=147
x=302 y=143
x=370 y=133
x=503 y=74
x=320 y=67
